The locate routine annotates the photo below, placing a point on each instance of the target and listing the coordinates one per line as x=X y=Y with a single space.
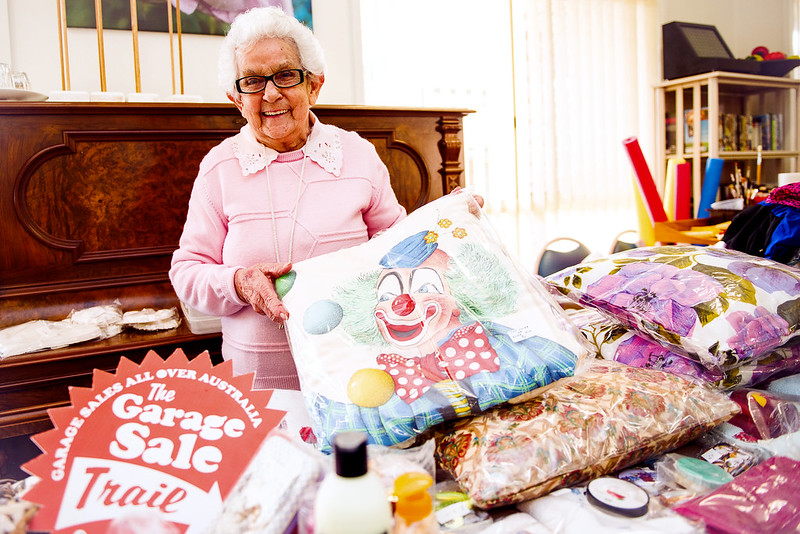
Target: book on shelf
x=688 y=129
x=746 y=132
x=671 y=134
x=730 y=129
x=777 y=126
x=737 y=132
x=745 y=125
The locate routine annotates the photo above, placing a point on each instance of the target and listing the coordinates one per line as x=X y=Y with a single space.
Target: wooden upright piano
x=93 y=198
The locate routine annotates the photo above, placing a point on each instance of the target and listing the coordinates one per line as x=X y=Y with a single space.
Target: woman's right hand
x=256 y=286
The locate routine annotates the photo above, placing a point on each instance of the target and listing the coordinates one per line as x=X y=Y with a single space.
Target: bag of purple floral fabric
x=721 y=308
x=614 y=341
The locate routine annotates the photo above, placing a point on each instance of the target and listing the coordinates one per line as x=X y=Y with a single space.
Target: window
x=557 y=86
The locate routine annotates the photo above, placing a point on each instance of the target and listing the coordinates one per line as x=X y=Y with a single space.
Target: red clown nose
x=403 y=305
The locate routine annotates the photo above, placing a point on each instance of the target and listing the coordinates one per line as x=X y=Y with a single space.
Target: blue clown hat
x=410 y=252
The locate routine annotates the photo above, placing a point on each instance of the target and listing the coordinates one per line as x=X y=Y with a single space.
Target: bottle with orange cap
x=413 y=512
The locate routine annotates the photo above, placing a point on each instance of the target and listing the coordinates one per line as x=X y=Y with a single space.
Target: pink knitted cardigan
x=344 y=198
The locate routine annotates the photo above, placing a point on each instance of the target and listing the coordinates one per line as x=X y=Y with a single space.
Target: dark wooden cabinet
x=93 y=198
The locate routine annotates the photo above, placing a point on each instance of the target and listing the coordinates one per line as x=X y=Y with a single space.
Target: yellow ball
x=370 y=388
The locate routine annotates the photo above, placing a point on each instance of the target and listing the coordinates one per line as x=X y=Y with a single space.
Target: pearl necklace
x=294 y=217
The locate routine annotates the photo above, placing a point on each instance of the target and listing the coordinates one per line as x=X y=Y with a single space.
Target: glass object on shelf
x=5 y=76
x=20 y=80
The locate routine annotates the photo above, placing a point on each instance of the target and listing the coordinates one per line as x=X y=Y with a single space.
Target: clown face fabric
x=428 y=322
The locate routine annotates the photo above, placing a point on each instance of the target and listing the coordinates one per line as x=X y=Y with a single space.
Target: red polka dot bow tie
x=466 y=353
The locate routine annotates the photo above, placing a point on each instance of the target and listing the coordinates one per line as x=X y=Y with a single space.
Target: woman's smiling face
x=279 y=117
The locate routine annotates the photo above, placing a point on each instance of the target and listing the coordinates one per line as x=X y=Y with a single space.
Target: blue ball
x=322 y=317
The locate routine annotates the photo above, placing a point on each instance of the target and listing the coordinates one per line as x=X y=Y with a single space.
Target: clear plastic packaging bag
x=271 y=492
x=765 y=498
x=152 y=320
x=764 y=414
x=391 y=462
x=731 y=458
x=37 y=335
x=107 y=317
x=430 y=321
x=604 y=419
x=696 y=475
x=455 y=512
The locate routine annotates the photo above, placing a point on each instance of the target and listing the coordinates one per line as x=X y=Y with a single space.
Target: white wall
x=29 y=41
x=5 y=38
x=337 y=24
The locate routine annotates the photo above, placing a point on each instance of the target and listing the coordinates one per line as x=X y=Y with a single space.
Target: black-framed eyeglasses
x=282 y=79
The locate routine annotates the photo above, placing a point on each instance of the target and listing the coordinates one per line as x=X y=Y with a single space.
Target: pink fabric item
x=787 y=195
x=229 y=226
x=227 y=10
x=765 y=498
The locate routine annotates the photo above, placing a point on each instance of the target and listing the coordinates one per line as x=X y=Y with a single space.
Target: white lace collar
x=323 y=147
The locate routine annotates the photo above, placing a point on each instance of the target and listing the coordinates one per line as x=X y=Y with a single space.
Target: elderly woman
x=285 y=188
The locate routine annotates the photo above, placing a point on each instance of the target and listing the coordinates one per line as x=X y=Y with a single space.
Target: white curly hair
x=260 y=23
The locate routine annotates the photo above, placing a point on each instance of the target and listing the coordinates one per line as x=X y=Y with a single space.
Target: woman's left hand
x=256 y=286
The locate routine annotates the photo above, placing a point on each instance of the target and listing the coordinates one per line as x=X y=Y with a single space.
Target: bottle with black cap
x=352 y=500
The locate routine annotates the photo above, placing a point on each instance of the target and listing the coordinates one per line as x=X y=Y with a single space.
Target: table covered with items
x=652 y=390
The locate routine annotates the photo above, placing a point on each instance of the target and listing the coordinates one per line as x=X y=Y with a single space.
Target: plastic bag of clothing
x=766 y=498
x=430 y=321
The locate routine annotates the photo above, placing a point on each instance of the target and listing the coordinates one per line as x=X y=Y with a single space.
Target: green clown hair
x=358 y=299
x=480 y=284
